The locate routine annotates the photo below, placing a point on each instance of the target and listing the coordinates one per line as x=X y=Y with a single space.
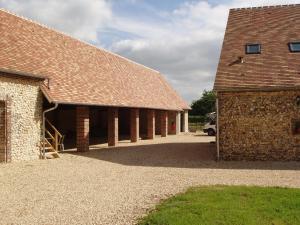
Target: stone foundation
x=259 y=125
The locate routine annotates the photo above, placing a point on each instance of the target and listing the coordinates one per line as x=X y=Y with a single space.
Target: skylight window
x=253 y=48
x=294 y=46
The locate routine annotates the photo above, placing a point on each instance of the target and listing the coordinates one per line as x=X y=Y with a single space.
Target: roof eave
x=253 y=89
x=46 y=93
x=22 y=74
x=51 y=100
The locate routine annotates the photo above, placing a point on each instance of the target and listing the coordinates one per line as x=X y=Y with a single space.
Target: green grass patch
x=197 y=119
x=229 y=205
x=194 y=127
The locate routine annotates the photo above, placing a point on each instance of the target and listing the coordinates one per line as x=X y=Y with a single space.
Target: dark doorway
x=143 y=123
x=98 y=125
x=124 y=124
x=182 y=122
x=157 y=122
x=64 y=120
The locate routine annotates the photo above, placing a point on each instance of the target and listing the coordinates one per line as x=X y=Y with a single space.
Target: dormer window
x=253 y=48
x=294 y=46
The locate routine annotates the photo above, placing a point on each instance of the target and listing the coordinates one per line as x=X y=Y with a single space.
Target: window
x=296 y=127
x=253 y=48
x=298 y=101
x=294 y=46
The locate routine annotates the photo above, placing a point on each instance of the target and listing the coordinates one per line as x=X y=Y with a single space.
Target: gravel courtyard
x=118 y=185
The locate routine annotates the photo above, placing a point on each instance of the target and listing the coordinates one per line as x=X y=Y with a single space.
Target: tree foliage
x=204 y=105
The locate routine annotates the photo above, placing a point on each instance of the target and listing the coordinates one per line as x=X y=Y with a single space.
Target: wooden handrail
x=47 y=142
x=53 y=127
x=51 y=136
x=56 y=137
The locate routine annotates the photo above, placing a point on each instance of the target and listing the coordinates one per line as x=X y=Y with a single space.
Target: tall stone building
x=85 y=94
x=258 y=85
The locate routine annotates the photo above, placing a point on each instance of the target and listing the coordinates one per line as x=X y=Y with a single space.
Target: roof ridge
x=82 y=41
x=265 y=7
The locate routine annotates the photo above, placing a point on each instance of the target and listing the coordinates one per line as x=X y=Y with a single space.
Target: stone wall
x=259 y=125
x=2 y=132
x=25 y=116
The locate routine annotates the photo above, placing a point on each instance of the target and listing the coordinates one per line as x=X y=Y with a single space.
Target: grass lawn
x=194 y=127
x=232 y=205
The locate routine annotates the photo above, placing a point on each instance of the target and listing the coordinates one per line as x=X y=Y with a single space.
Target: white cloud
x=183 y=44
x=253 y=3
x=79 y=18
x=186 y=45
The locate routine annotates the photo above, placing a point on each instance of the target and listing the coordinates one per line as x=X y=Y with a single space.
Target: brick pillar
x=113 y=126
x=186 y=121
x=172 y=122
x=82 y=128
x=134 y=125
x=178 y=122
x=150 y=124
x=164 y=123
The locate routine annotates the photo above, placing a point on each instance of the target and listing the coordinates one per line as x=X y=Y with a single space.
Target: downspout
x=44 y=126
x=218 y=132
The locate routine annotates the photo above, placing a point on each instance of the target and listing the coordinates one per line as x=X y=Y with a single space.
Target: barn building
x=77 y=93
x=258 y=85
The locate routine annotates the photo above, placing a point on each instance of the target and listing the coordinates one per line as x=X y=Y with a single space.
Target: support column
x=186 y=121
x=164 y=123
x=134 y=125
x=82 y=128
x=178 y=122
x=150 y=124
x=113 y=126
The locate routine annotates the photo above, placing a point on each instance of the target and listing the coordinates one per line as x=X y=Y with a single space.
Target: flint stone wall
x=258 y=125
x=25 y=118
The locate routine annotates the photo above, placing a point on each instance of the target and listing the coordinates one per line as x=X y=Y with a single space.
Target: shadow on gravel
x=177 y=155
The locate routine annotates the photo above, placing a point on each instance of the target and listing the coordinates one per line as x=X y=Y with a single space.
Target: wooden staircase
x=52 y=143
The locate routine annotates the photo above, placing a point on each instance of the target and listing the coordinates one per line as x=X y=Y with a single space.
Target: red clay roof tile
x=80 y=73
x=276 y=67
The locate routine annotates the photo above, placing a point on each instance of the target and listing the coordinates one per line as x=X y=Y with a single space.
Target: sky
x=180 y=38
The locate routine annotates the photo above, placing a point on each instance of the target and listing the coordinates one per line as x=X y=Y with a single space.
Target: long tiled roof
x=80 y=73
x=276 y=67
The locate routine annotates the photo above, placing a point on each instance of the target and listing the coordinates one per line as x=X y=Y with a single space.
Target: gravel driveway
x=116 y=186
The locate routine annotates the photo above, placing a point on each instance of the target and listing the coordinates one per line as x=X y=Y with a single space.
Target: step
x=52 y=155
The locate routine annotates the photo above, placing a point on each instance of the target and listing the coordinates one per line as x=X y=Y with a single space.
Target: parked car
x=210 y=127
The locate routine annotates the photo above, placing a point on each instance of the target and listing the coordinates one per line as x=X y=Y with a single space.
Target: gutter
x=44 y=127
x=117 y=106
x=255 y=89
